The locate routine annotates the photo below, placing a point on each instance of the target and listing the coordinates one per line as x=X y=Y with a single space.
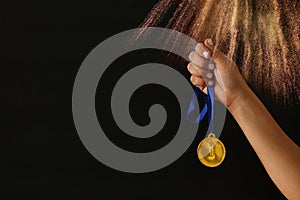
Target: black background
x=43 y=44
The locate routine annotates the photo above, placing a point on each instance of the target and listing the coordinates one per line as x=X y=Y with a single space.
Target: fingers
x=203 y=51
x=199 y=82
x=198 y=60
x=218 y=57
x=199 y=71
x=207 y=51
x=196 y=77
x=209 y=45
x=192 y=69
x=202 y=56
x=200 y=67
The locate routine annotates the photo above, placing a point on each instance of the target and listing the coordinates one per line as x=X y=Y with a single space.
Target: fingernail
x=210 y=42
x=206 y=54
x=211 y=66
x=209 y=75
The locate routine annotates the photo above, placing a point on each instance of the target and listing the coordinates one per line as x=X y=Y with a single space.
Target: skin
x=278 y=153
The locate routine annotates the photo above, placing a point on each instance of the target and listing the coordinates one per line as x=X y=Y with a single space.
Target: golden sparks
x=262 y=36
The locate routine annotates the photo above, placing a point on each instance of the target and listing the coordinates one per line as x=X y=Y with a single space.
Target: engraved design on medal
x=211 y=151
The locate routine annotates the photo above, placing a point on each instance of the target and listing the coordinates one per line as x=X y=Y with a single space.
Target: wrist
x=241 y=96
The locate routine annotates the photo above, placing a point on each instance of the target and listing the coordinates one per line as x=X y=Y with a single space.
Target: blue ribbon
x=208 y=107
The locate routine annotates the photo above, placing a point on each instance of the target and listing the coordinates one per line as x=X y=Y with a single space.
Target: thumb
x=218 y=57
x=216 y=54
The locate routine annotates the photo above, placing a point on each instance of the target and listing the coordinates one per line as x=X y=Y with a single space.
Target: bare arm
x=277 y=152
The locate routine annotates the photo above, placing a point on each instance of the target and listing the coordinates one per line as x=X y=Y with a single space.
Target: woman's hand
x=277 y=152
x=224 y=74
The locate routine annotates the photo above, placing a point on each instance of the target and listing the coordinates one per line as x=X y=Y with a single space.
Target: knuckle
x=198 y=48
x=192 y=55
x=189 y=67
x=194 y=79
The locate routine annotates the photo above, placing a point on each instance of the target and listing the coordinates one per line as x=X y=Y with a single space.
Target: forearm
x=278 y=153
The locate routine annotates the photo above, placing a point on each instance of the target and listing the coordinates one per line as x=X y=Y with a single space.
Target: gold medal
x=211 y=151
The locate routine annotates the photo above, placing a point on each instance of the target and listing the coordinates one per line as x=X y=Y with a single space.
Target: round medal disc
x=211 y=151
